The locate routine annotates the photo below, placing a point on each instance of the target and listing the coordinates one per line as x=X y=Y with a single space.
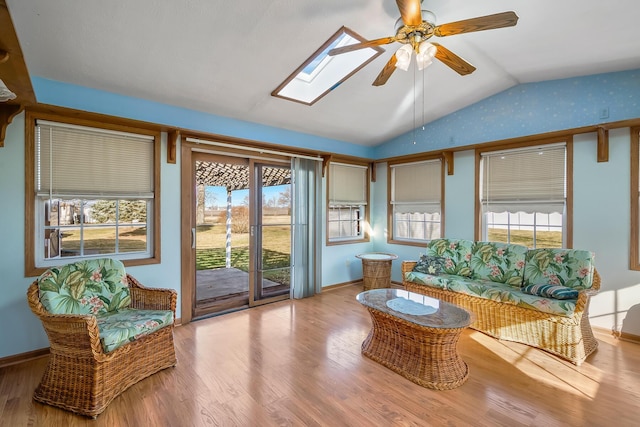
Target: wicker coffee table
x=416 y=336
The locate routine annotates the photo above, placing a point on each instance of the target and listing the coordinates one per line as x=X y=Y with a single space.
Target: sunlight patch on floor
x=545 y=368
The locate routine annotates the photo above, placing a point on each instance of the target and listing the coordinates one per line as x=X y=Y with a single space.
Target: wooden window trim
x=568 y=140
x=367 y=210
x=89 y=120
x=634 y=251
x=413 y=159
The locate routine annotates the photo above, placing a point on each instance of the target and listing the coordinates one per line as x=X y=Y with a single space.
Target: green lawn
x=215 y=258
x=276 y=264
x=544 y=239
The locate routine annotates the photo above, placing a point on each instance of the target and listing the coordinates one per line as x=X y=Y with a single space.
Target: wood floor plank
x=299 y=363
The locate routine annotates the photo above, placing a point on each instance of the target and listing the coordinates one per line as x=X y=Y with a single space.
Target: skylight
x=321 y=73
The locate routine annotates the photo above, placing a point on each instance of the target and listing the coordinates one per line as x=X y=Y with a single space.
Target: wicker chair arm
x=146 y=298
x=407 y=266
x=75 y=334
x=595 y=287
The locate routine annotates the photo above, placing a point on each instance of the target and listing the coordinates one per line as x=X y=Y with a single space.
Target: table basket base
x=426 y=356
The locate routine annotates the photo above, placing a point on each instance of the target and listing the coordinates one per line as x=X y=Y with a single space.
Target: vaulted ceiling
x=226 y=57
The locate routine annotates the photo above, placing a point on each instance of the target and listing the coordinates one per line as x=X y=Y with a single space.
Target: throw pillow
x=551 y=291
x=429 y=265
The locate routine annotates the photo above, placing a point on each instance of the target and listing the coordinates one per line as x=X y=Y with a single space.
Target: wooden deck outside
x=224 y=283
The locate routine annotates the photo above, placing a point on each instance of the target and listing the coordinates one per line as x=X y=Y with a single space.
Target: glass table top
x=377 y=256
x=416 y=308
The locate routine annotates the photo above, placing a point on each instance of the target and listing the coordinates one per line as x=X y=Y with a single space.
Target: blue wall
x=87 y=99
x=527 y=109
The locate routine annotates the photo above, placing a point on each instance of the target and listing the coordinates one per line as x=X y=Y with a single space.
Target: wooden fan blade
x=386 y=72
x=356 y=46
x=453 y=61
x=410 y=11
x=489 y=22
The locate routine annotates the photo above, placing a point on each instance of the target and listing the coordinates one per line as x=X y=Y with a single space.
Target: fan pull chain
x=414 y=104
x=424 y=98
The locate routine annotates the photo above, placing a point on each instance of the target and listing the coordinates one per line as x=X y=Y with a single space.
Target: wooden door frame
x=187 y=219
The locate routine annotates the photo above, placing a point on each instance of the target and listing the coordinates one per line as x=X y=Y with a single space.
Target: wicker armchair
x=81 y=377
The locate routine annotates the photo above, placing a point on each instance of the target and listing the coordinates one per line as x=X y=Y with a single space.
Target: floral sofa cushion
x=438 y=281
x=128 y=324
x=456 y=254
x=572 y=268
x=498 y=262
x=508 y=294
x=95 y=286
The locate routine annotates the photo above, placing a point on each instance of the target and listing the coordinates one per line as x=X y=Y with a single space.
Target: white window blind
x=347 y=185
x=76 y=160
x=416 y=187
x=527 y=180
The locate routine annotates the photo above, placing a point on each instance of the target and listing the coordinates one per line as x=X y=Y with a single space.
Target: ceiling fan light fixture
x=425 y=54
x=403 y=57
x=427 y=49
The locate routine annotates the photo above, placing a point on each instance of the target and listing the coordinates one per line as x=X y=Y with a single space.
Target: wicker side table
x=376 y=269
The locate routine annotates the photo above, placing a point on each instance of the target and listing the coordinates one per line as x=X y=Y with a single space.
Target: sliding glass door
x=241 y=233
x=271 y=232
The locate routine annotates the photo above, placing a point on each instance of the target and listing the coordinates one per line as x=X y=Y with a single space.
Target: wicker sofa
x=106 y=332
x=538 y=297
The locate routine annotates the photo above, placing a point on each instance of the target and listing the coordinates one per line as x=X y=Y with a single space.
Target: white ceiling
x=226 y=57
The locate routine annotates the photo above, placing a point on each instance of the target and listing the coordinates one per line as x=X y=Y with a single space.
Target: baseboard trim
x=624 y=336
x=629 y=337
x=341 y=285
x=397 y=285
x=23 y=357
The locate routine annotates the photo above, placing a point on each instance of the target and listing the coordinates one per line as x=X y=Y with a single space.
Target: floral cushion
x=94 y=286
x=572 y=268
x=429 y=265
x=456 y=254
x=128 y=324
x=498 y=262
x=551 y=291
x=439 y=281
x=508 y=294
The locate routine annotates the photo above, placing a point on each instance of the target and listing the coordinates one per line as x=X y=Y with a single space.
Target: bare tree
x=200 y=198
x=284 y=198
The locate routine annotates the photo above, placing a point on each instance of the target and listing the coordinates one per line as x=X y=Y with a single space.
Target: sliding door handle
x=193 y=238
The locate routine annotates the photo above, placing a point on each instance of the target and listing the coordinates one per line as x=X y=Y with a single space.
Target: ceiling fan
x=415 y=27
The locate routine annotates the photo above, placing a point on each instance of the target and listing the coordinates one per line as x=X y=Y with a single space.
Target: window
x=348 y=194
x=416 y=201
x=94 y=193
x=523 y=196
x=635 y=200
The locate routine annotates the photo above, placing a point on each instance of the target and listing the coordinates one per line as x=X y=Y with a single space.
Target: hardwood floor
x=299 y=363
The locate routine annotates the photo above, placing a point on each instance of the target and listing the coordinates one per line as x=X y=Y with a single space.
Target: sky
x=238 y=196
